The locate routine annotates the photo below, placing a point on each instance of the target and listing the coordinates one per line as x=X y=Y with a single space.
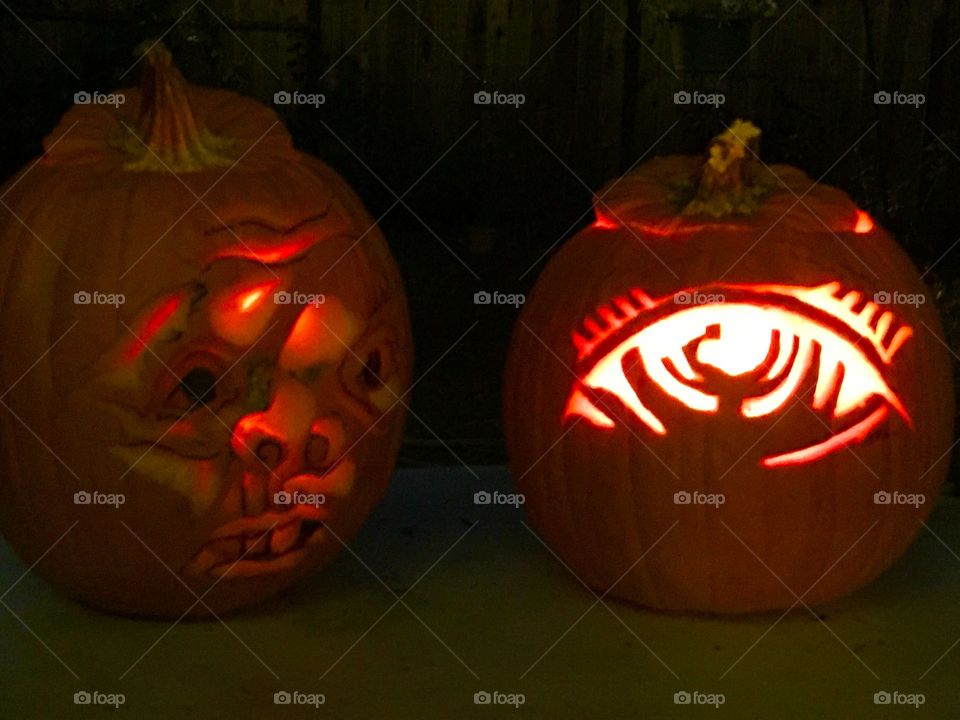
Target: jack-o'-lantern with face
x=206 y=348
x=730 y=393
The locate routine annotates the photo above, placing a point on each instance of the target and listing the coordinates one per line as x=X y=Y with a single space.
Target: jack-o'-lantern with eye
x=205 y=357
x=730 y=393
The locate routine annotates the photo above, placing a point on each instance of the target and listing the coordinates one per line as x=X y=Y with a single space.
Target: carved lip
x=259 y=524
x=257 y=550
x=275 y=540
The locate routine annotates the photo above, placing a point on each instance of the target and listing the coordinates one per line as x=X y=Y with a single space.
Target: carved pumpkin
x=730 y=391
x=230 y=424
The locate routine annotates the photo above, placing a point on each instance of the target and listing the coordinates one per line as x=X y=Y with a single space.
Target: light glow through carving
x=774 y=336
x=864 y=223
x=154 y=323
x=240 y=314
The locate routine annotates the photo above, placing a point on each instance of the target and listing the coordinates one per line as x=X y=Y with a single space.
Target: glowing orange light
x=269 y=254
x=321 y=334
x=776 y=333
x=849 y=436
x=239 y=314
x=152 y=326
x=603 y=222
x=252 y=299
x=864 y=223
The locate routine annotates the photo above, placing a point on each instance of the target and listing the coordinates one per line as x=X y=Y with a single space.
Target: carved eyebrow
x=159 y=318
x=259 y=240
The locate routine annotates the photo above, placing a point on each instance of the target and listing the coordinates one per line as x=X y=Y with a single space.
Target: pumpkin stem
x=729 y=184
x=168 y=135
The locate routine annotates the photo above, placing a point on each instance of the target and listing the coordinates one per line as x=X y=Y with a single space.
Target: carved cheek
x=322 y=334
x=195 y=480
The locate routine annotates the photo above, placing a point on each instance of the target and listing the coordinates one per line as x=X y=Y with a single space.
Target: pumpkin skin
x=601 y=492
x=305 y=400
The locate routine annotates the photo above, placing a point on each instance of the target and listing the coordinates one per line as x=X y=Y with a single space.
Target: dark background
x=504 y=185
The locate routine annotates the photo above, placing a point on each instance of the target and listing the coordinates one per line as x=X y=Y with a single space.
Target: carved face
x=240 y=405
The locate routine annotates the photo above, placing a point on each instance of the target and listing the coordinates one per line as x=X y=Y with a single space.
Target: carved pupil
x=198 y=384
x=370 y=375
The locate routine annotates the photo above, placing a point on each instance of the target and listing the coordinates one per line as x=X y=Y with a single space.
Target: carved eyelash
x=872 y=322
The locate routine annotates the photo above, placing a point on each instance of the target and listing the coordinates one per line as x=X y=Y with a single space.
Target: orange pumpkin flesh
x=600 y=447
x=192 y=203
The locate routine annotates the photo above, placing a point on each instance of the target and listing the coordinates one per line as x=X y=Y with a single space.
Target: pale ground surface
x=498 y=601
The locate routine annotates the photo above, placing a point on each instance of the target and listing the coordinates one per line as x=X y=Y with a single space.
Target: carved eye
x=369 y=373
x=774 y=335
x=197 y=384
x=372 y=367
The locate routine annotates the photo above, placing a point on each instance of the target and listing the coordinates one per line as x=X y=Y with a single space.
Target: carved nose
x=270 y=453
x=278 y=434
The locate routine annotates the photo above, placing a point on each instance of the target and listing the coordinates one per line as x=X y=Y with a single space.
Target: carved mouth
x=263 y=544
x=279 y=538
